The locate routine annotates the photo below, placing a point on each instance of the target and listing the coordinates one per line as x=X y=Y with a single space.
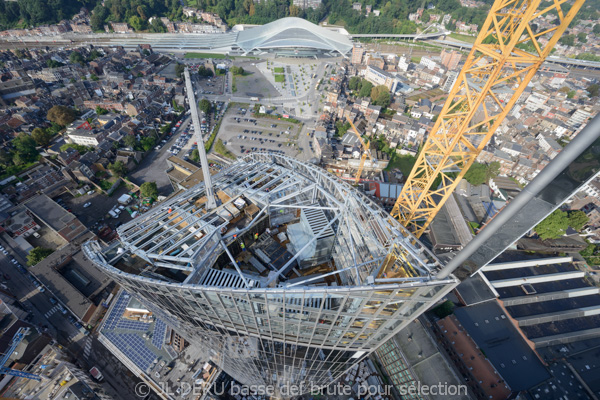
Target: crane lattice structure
x=17 y=338
x=504 y=58
x=365 y=151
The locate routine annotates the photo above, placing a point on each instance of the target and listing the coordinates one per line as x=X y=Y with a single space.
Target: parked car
x=86 y=205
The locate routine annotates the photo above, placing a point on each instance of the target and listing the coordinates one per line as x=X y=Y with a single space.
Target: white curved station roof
x=292 y=33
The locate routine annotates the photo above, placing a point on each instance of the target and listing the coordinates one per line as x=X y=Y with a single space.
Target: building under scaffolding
x=290 y=280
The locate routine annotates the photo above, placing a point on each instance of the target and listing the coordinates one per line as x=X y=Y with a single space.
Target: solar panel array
x=134 y=348
x=117 y=312
x=133 y=325
x=158 y=336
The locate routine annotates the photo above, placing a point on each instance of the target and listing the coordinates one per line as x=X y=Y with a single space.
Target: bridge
x=567 y=62
x=417 y=36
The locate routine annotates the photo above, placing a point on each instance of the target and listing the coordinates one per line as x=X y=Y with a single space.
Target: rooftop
x=495 y=335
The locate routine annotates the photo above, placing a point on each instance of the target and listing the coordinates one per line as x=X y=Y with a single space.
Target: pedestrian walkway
x=51 y=311
x=87 y=350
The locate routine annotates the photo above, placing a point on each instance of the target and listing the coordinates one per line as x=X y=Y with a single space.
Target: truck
x=253 y=98
x=124 y=199
x=95 y=372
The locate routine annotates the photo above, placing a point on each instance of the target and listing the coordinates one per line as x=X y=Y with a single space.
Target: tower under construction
x=292 y=278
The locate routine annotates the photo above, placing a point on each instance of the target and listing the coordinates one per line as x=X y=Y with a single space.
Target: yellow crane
x=365 y=149
x=504 y=58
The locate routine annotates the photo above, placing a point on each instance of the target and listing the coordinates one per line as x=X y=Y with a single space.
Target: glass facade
x=275 y=328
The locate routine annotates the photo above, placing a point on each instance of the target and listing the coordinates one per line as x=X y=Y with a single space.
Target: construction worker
x=256 y=236
x=243 y=246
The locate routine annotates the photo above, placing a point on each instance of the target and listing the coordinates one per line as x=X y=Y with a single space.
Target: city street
x=44 y=313
x=152 y=168
x=86 y=349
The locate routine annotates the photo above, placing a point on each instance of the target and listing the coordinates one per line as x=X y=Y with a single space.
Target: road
x=45 y=315
x=154 y=165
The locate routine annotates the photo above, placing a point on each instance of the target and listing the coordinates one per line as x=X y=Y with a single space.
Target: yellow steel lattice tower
x=505 y=56
x=366 y=152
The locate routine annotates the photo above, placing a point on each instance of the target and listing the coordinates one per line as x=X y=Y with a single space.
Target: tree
x=341 y=128
x=147 y=143
x=118 y=168
x=41 y=137
x=195 y=156
x=237 y=70
x=130 y=141
x=582 y=37
x=75 y=57
x=444 y=309
x=476 y=175
x=25 y=150
x=80 y=148
x=137 y=23
x=380 y=96
x=568 y=40
x=5 y=157
x=205 y=106
x=61 y=115
x=571 y=94
x=38 y=254
x=157 y=26
x=179 y=68
x=554 y=226
x=101 y=111
x=354 y=83
x=149 y=189
x=596 y=29
x=99 y=17
x=365 y=89
x=593 y=89
x=588 y=251
x=203 y=71
x=93 y=55
x=53 y=63
x=577 y=219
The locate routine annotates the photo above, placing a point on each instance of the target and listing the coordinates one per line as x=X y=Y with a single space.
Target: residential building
x=450 y=59
x=307 y=3
x=357 y=53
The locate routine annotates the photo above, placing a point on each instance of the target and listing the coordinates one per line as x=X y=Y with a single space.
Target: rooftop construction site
x=278 y=221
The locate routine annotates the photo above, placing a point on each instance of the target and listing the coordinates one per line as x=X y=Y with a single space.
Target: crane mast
x=17 y=338
x=366 y=152
x=504 y=58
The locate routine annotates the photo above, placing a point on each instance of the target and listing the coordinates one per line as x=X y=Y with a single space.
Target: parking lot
x=242 y=134
x=206 y=85
x=187 y=141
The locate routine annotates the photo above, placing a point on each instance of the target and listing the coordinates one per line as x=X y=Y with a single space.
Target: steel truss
x=506 y=55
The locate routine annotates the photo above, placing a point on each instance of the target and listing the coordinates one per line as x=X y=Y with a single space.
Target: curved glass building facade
x=292 y=279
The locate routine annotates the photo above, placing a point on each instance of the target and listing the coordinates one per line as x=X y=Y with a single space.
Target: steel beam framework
x=506 y=55
x=299 y=331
